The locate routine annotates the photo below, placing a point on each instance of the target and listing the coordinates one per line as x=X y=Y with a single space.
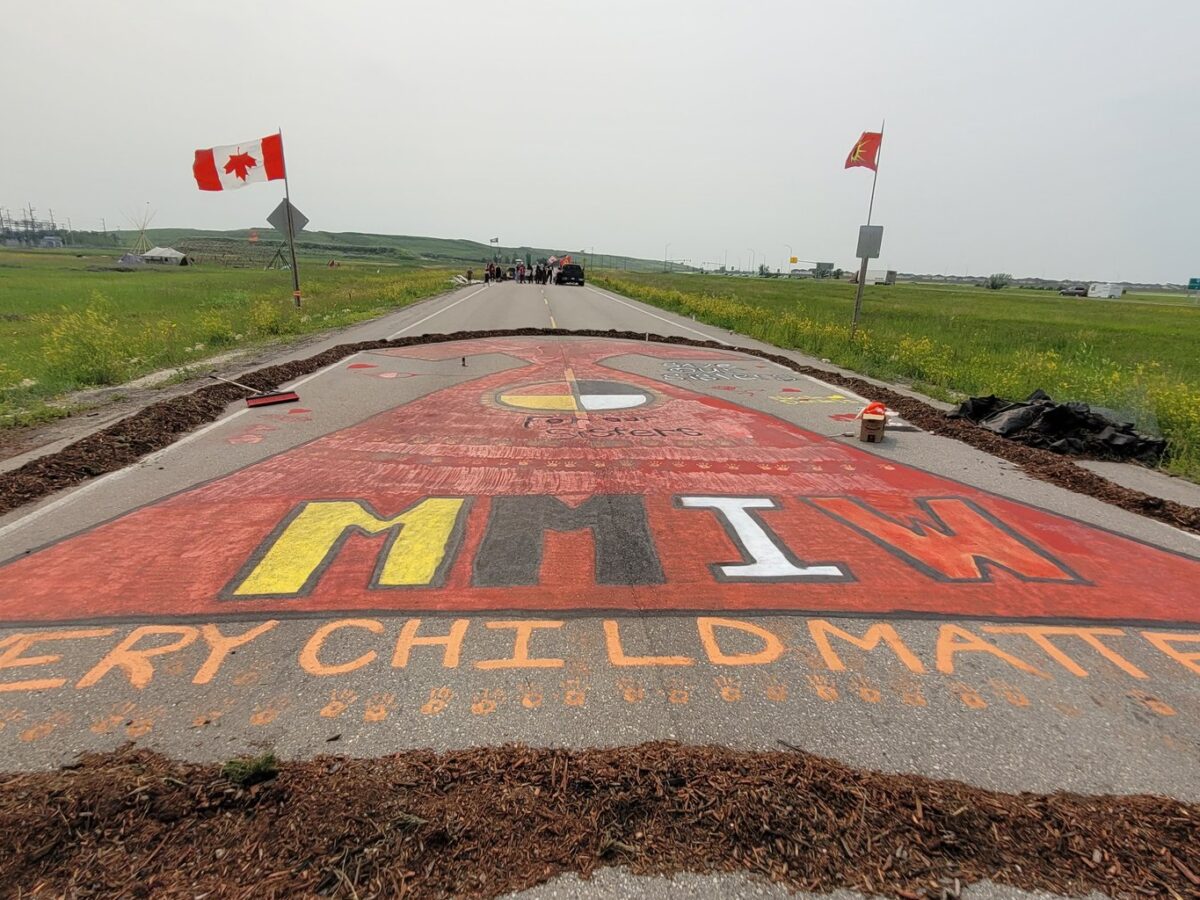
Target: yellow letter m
x=419 y=548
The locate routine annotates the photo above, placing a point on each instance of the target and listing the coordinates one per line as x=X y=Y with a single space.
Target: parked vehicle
x=571 y=273
x=1105 y=291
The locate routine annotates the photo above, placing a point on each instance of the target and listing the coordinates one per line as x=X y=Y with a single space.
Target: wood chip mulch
x=160 y=424
x=486 y=821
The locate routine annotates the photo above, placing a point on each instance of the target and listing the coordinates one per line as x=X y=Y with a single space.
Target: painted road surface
x=587 y=542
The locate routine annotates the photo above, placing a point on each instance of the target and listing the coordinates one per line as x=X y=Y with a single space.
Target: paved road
x=575 y=541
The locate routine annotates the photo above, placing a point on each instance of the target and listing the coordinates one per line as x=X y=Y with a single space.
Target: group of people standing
x=520 y=273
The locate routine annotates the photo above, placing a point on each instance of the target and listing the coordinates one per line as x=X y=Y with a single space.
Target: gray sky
x=1040 y=138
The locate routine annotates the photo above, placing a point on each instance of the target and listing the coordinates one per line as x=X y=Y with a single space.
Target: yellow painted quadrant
x=540 y=401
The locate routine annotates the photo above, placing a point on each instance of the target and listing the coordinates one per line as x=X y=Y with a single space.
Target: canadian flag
x=235 y=166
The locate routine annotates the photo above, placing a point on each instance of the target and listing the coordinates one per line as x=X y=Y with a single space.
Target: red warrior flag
x=235 y=166
x=866 y=151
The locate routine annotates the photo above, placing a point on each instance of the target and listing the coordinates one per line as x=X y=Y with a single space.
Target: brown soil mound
x=160 y=424
x=486 y=821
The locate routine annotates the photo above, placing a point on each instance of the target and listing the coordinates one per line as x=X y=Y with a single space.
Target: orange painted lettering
x=136 y=663
x=14 y=645
x=452 y=642
x=1041 y=634
x=520 y=658
x=954 y=639
x=1165 y=640
x=821 y=631
x=771 y=650
x=220 y=646
x=618 y=657
x=310 y=658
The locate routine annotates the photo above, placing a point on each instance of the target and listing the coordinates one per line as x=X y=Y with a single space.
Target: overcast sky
x=1046 y=138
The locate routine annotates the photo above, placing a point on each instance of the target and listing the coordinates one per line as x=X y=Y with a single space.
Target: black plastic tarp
x=1074 y=429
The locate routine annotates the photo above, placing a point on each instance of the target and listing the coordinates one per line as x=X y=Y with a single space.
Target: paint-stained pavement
x=577 y=542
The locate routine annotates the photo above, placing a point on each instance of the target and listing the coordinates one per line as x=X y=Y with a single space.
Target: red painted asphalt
x=703 y=505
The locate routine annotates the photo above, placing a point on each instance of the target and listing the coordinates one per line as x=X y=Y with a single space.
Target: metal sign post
x=870 y=239
x=292 y=247
x=291 y=235
x=289 y=220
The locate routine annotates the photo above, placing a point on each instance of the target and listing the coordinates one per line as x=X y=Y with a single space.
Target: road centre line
x=435 y=313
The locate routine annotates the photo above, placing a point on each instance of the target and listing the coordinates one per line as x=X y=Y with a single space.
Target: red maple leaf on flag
x=239 y=164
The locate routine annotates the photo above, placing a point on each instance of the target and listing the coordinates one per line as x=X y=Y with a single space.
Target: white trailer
x=1106 y=291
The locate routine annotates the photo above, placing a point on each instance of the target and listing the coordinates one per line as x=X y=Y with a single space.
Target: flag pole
x=878 y=156
x=862 y=266
x=287 y=199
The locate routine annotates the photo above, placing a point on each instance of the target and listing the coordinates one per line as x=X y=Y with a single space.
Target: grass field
x=1138 y=357
x=69 y=321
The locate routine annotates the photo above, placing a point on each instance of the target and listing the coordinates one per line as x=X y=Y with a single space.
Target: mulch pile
x=486 y=821
x=159 y=424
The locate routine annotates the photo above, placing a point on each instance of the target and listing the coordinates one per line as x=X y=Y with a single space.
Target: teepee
x=140 y=224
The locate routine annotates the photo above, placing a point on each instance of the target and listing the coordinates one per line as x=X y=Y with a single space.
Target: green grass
x=69 y=321
x=247 y=771
x=1136 y=357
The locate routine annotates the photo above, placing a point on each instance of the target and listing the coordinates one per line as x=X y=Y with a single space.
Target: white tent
x=164 y=255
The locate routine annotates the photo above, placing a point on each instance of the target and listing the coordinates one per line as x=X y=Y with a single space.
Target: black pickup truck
x=571 y=273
